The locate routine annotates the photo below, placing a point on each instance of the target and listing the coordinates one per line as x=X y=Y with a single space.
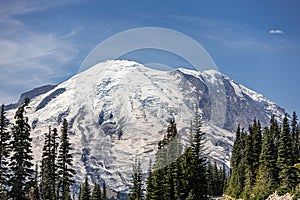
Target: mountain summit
x=118 y=110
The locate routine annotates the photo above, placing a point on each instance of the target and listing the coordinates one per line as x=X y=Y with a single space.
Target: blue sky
x=256 y=43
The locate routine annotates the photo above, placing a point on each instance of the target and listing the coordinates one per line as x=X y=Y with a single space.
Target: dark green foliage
x=21 y=166
x=4 y=151
x=295 y=136
x=267 y=174
x=237 y=171
x=65 y=158
x=286 y=159
x=136 y=192
x=96 y=195
x=276 y=163
x=198 y=169
x=104 y=197
x=49 y=165
x=216 y=179
x=85 y=193
x=173 y=153
x=186 y=176
x=185 y=181
x=249 y=165
x=150 y=183
x=18 y=180
x=166 y=168
x=252 y=152
x=255 y=132
x=34 y=193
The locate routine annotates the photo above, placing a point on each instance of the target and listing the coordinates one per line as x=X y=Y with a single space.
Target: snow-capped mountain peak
x=118 y=110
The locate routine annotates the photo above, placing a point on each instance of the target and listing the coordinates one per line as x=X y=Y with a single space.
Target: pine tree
x=166 y=168
x=65 y=158
x=267 y=174
x=34 y=193
x=46 y=185
x=186 y=165
x=199 y=180
x=275 y=136
x=49 y=165
x=104 y=197
x=285 y=159
x=159 y=171
x=21 y=161
x=257 y=144
x=136 y=192
x=96 y=195
x=173 y=153
x=150 y=183
x=4 y=151
x=211 y=182
x=85 y=190
x=295 y=136
x=237 y=170
x=53 y=175
x=224 y=179
x=251 y=157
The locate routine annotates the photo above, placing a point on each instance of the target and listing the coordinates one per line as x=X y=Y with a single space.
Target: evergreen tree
x=85 y=190
x=96 y=195
x=237 y=170
x=257 y=143
x=173 y=153
x=150 y=183
x=53 y=175
x=218 y=179
x=46 y=185
x=199 y=180
x=249 y=168
x=4 y=151
x=267 y=174
x=34 y=193
x=295 y=136
x=65 y=158
x=21 y=161
x=251 y=157
x=136 y=192
x=285 y=159
x=275 y=137
x=158 y=183
x=211 y=181
x=104 y=197
x=186 y=165
x=166 y=172
x=224 y=179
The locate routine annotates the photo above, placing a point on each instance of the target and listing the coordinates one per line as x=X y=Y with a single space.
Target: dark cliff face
x=240 y=110
x=30 y=94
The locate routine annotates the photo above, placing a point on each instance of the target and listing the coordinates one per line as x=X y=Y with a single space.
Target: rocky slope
x=118 y=110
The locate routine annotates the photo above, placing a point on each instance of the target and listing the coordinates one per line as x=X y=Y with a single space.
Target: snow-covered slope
x=118 y=110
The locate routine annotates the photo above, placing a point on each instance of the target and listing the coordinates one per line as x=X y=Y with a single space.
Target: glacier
x=118 y=110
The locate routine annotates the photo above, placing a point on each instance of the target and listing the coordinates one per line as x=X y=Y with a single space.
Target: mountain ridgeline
x=119 y=110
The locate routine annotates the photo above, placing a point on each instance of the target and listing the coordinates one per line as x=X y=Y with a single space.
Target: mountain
x=118 y=110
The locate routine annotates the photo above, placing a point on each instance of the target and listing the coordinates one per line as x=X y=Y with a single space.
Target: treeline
x=263 y=160
x=179 y=175
x=20 y=178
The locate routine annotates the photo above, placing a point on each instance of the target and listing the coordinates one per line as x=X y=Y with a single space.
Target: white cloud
x=10 y=8
x=29 y=58
x=275 y=31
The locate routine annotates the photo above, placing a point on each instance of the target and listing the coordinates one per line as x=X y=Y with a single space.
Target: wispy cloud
x=275 y=31
x=30 y=58
x=236 y=36
x=10 y=8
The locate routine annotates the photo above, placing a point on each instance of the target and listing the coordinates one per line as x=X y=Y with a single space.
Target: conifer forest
x=263 y=160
